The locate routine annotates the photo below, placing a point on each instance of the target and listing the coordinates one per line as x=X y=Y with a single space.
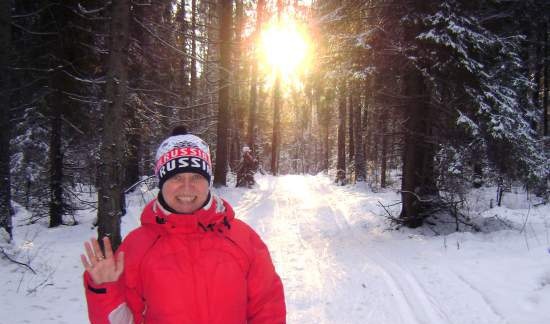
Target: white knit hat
x=182 y=152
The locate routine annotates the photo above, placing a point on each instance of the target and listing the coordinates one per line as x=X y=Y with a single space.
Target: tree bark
x=359 y=151
x=546 y=92
x=253 y=105
x=56 y=163
x=384 y=155
x=62 y=51
x=277 y=103
x=226 y=22
x=535 y=40
x=239 y=111
x=418 y=185
x=131 y=155
x=110 y=170
x=211 y=65
x=326 y=139
x=193 y=86
x=324 y=121
x=275 y=142
x=367 y=129
x=5 y=116
x=351 y=138
x=184 y=86
x=341 y=162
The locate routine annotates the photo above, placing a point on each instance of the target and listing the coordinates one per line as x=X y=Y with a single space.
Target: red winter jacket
x=203 y=268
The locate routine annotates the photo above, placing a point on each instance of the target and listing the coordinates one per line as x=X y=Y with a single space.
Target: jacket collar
x=216 y=215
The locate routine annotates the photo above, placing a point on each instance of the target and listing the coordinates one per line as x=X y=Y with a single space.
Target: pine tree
x=253 y=104
x=226 y=14
x=277 y=106
x=5 y=116
x=110 y=204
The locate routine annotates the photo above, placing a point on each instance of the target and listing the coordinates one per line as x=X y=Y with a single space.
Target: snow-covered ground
x=336 y=254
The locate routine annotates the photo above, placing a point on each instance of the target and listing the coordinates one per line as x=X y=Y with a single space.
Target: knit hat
x=182 y=152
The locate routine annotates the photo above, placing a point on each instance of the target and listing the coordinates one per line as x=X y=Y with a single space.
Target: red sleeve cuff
x=98 y=289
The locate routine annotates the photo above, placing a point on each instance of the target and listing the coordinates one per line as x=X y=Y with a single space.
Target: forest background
x=431 y=97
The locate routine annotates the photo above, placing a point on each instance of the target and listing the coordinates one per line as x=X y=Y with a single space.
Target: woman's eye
x=177 y=178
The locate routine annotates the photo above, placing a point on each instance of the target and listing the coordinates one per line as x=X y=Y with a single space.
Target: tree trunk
x=546 y=92
x=131 y=156
x=535 y=39
x=277 y=103
x=326 y=137
x=309 y=147
x=351 y=138
x=276 y=126
x=193 y=86
x=110 y=170
x=341 y=162
x=57 y=105
x=239 y=111
x=226 y=22
x=324 y=121
x=56 y=162
x=360 y=170
x=253 y=106
x=366 y=131
x=418 y=183
x=211 y=66
x=5 y=116
x=384 y=155
x=183 y=85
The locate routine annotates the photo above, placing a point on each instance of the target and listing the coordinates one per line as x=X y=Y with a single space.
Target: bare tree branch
x=16 y=262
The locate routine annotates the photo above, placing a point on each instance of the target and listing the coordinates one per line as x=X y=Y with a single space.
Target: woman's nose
x=186 y=183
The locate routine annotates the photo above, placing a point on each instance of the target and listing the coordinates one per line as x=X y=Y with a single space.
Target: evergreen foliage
x=440 y=95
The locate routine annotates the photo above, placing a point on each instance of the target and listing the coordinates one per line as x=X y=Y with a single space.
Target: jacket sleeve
x=107 y=303
x=266 y=300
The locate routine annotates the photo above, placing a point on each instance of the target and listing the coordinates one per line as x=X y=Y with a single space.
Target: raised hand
x=102 y=268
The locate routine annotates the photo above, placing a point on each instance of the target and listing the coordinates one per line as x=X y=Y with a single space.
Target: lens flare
x=285 y=49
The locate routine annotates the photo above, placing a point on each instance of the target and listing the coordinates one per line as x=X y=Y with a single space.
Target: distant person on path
x=190 y=261
x=247 y=168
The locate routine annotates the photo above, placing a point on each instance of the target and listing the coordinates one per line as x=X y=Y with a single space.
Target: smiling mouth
x=186 y=199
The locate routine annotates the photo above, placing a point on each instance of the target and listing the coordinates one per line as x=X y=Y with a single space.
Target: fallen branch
x=16 y=262
x=504 y=222
x=417 y=196
x=390 y=216
x=526 y=219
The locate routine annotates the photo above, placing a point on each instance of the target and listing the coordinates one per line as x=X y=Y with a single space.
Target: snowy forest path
x=334 y=266
x=338 y=257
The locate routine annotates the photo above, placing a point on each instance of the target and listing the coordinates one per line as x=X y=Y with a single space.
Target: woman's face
x=185 y=192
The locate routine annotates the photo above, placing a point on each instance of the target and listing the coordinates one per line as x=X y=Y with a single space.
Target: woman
x=190 y=261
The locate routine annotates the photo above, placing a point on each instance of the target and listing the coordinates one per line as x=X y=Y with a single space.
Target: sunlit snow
x=339 y=259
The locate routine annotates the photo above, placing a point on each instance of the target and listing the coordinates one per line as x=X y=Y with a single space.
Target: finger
x=85 y=263
x=97 y=250
x=89 y=251
x=107 y=247
x=120 y=263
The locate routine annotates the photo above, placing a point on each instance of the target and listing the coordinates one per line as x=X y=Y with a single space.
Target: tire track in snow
x=423 y=304
x=332 y=268
x=323 y=234
x=301 y=264
x=413 y=301
x=482 y=296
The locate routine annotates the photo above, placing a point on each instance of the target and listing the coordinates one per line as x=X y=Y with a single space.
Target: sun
x=285 y=49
